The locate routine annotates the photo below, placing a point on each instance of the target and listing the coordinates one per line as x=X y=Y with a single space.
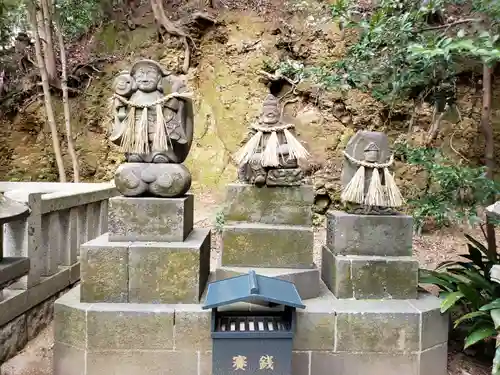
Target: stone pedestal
x=369 y=256
x=151 y=254
x=269 y=230
x=368 y=267
x=333 y=336
x=137 y=308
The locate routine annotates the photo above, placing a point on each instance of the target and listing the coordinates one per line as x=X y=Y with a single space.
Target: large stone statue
x=367 y=183
x=153 y=126
x=271 y=152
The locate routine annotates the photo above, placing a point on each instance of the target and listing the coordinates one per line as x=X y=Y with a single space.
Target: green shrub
x=453 y=192
x=467 y=290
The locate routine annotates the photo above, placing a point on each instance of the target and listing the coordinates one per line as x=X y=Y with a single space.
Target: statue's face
x=371 y=156
x=147 y=78
x=123 y=84
x=270 y=116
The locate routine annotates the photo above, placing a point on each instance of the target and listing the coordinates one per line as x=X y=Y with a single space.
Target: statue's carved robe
x=178 y=115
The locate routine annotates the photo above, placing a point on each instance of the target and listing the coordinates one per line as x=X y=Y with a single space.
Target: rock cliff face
x=229 y=92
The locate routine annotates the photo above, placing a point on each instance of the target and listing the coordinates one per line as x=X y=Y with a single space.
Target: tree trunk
x=47 y=98
x=489 y=150
x=67 y=116
x=161 y=19
x=48 y=45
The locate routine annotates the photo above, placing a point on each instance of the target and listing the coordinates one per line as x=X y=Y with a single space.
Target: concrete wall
x=62 y=217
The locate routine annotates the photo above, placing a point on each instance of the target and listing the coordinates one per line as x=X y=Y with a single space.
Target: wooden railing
x=61 y=218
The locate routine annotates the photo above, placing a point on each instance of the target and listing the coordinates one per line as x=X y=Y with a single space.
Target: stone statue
x=366 y=179
x=271 y=152
x=153 y=124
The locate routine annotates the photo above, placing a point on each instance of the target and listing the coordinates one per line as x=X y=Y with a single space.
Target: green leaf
x=475 y=255
x=469 y=316
x=476 y=279
x=478 y=244
x=492 y=305
x=450 y=300
x=495 y=370
x=495 y=316
x=479 y=334
x=470 y=294
x=436 y=278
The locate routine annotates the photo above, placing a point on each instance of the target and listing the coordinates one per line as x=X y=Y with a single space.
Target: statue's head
x=148 y=74
x=270 y=110
x=124 y=84
x=371 y=152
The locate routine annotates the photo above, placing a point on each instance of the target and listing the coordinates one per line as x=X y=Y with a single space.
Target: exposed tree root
x=171 y=28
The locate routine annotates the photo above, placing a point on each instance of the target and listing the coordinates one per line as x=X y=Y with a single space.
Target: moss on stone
x=276 y=205
x=164 y=275
x=385 y=279
x=274 y=246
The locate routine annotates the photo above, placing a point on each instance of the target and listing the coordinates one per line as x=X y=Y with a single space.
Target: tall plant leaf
x=495 y=316
x=475 y=255
x=490 y=306
x=479 y=246
x=479 y=334
x=470 y=294
x=450 y=300
x=495 y=370
x=470 y=316
x=476 y=278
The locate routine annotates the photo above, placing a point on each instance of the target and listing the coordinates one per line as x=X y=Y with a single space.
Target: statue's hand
x=122 y=113
x=172 y=104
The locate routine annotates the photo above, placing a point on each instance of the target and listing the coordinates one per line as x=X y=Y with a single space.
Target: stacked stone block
x=369 y=256
x=269 y=230
x=382 y=324
x=152 y=252
x=138 y=310
x=137 y=307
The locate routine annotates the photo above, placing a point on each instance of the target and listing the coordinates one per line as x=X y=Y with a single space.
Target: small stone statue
x=271 y=153
x=366 y=157
x=153 y=124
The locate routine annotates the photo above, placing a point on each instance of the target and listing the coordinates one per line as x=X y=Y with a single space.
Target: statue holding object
x=271 y=153
x=153 y=125
x=366 y=179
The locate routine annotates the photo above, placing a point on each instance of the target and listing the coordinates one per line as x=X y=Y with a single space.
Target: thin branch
x=448 y=25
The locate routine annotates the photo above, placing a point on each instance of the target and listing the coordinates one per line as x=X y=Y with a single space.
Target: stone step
x=306 y=280
x=369 y=277
x=269 y=205
x=150 y=219
x=267 y=245
x=145 y=272
x=332 y=336
x=350 y=234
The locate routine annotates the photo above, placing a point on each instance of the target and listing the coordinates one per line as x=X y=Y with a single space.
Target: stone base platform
x=370 y=277
x=145 y=272
x=267 y=245
x=307 y=281
x=332 y=337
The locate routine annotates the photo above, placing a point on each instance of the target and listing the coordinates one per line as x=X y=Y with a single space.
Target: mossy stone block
x=377 y=235
x=388 y=330
x=112 y=326
x=150 y=219
x=104 y=270
x=70 y=320
x=192 y=328
x=169 y=272
x=269 y=205
x=267 y=245
x=370 y=277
